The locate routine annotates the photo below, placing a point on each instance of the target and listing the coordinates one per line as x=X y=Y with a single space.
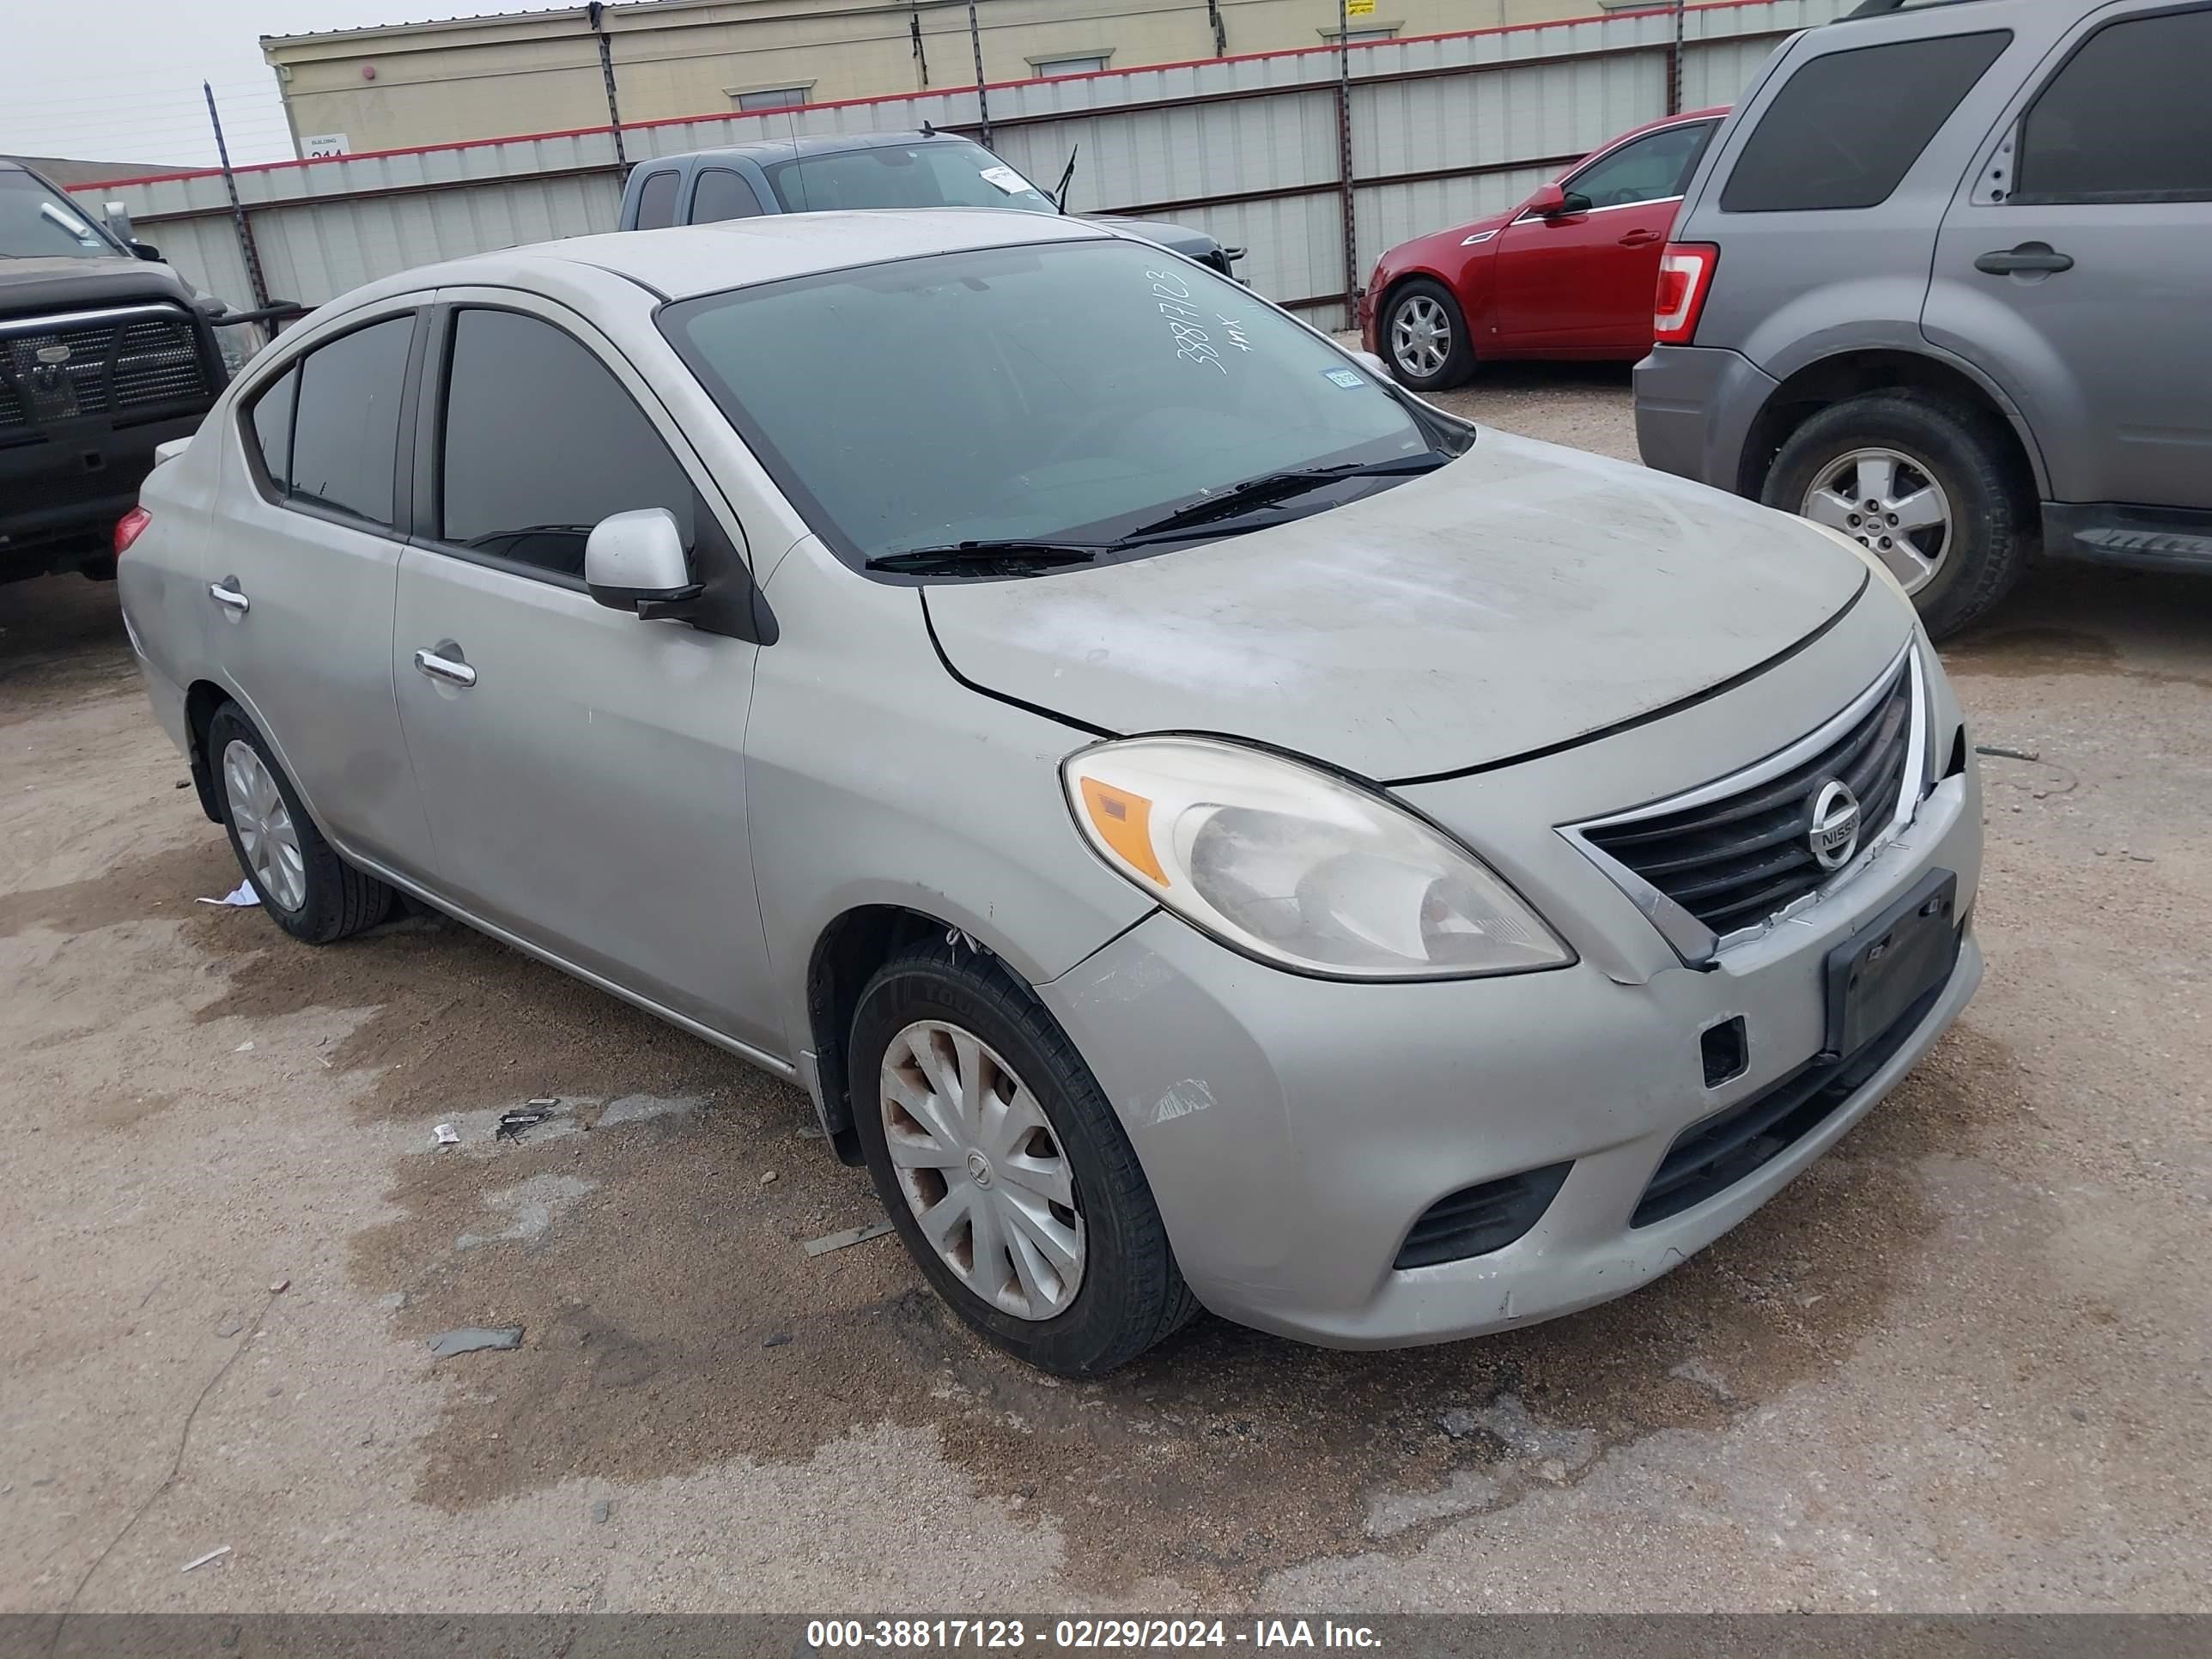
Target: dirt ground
x=1962 y=1364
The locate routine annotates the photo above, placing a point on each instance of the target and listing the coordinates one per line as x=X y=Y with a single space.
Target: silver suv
x=1940 y=285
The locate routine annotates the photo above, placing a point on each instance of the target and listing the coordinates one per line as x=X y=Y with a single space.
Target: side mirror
x=636 y=562
x=1548 y=202
x=147 y=251
x=1373 y=364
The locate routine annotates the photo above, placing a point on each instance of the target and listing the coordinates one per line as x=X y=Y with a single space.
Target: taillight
x=130 y=527
x=1686 y=277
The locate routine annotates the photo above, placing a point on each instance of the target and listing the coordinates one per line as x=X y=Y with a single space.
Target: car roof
x=691 y=259
x=764 y=150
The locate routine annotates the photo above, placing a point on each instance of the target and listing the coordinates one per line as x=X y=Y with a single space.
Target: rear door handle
x=1640 y=239
x=228 y=594
x=2027 y=258
x=445 y=668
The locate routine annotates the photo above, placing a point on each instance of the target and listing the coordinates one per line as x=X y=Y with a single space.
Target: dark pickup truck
x=105 y=352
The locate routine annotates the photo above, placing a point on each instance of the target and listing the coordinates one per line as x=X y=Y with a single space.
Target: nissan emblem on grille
x=1835 y=833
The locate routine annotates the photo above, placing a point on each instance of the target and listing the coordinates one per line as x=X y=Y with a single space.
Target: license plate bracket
x=1889 y=964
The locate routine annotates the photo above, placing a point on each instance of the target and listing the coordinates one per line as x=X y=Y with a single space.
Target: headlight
x=1285 y=863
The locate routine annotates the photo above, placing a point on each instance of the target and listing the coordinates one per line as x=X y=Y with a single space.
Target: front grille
x=1734 y=861
x=113 y=366
x=1709 y=1158
x=1476 y=1221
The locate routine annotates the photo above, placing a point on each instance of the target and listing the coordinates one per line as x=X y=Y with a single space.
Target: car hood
x=1180 y=239
x=50 y=284
x=1521 y=598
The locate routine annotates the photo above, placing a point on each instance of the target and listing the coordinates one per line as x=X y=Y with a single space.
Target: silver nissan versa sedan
x=1206 y=827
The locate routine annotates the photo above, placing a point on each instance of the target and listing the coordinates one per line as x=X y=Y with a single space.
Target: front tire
x=308 y=891
x=1425 y=338
x=1005 y=1170
x=1925 y=484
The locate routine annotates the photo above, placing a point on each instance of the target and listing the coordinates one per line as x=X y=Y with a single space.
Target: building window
x=773 y=97
x=1363 y=37
x=1083 y=64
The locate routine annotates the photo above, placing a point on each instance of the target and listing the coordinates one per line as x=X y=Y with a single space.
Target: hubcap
x=981 y=1169
x=1891 y=504
x=266 y=833
x=1420 y=336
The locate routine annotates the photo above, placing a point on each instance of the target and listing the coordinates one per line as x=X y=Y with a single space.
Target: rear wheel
x=314 y=894
x=1005 y=1170
x=1424 y=337
x=1923 y=483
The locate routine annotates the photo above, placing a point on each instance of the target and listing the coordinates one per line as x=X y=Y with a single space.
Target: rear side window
x=2127 y=118
x=540 y=443
x=1847 y=126
x=345 y=421
x=721 y=194
x=656 y=201
x=272 y=429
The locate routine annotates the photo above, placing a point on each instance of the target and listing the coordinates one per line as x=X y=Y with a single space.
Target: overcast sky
x=119 y=80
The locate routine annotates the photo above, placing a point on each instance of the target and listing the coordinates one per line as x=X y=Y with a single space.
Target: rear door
x=1583 y=281
x=581 y=768
x=2073 y=264
x=301 y=562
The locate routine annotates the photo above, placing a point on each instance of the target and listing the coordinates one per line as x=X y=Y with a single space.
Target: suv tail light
x=1686 y=277
x=130 y=527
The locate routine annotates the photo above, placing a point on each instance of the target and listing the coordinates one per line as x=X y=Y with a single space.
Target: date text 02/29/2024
x=854 y=1635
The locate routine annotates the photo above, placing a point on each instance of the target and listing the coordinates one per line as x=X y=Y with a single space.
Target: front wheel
x=1424 y=337
x=1921 y=483
x=1005 y=1170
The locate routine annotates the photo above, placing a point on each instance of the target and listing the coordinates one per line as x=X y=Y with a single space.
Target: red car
x=1569 y=273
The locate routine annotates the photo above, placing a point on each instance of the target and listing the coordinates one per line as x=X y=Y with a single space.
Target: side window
x=540 y=442
x=1848 y=125
x=721 y=194
x=272 y=429
x=656 y=201
x=2126 y=119
x=1647 y=169
x=345 y=421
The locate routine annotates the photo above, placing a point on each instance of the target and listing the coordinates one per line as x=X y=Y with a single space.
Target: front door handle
x=228 y=594
x=1640 y=239
x=445 y=668
x=2023 y=260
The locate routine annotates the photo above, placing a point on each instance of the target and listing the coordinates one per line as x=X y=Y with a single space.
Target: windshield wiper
x=1271 y=487
x=986 y=554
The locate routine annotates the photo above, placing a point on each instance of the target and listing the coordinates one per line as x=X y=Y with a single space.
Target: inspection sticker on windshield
x=1006 y=180
x=1343 y=377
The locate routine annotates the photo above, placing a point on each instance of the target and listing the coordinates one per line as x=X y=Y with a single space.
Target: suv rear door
x=2071 y=265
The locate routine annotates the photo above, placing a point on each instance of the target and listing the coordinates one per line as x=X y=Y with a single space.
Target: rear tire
x=1424 y=337
x=1125 y=1293
x=1964 y=452
x=308 y=891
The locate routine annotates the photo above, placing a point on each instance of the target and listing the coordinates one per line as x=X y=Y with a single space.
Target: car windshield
x=929 y=172
x=1077 y=391
x=38 y=223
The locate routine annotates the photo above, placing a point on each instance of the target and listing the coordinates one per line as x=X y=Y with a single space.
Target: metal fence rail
x=1439 y=129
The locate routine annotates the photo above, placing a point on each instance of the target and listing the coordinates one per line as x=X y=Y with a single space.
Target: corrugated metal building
x=1267 y=152
x=540 y=72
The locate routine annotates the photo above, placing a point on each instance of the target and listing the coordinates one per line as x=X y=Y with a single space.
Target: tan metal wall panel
x=1266 y=127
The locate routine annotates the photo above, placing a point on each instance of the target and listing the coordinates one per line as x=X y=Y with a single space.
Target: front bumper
x=1294 y=1129
x=62 y=492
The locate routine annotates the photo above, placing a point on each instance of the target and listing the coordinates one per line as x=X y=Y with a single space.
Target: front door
x=1583 y=281
x=582 y=770
x=301 y=566
x=2071 y=267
